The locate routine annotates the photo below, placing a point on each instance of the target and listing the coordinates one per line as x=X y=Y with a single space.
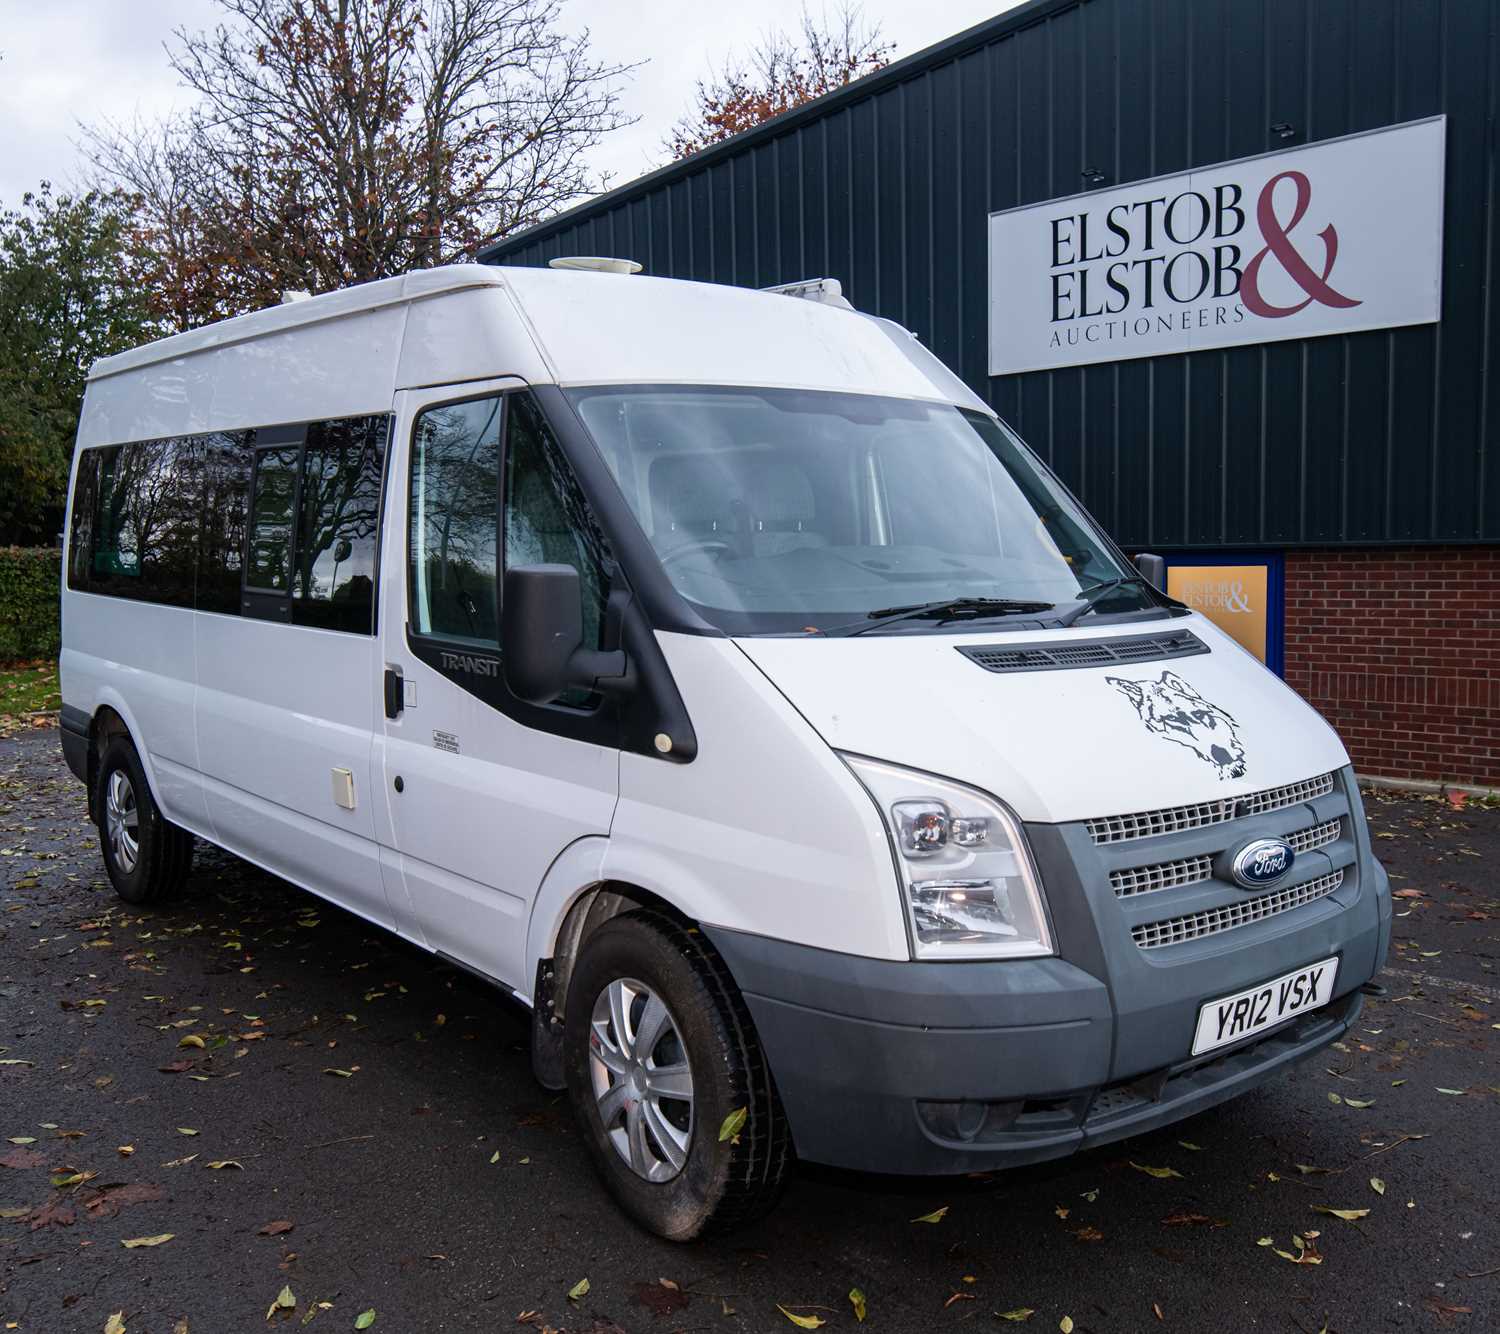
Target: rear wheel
x=660 y=1053
x=146 y=856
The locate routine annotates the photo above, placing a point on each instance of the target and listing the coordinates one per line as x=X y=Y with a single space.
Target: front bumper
x=930 y=1068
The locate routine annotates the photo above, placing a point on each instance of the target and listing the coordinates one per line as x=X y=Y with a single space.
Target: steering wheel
x=705 y=546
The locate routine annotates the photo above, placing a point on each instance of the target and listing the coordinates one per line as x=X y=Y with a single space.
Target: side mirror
x=1154 y=569
x=541 y=636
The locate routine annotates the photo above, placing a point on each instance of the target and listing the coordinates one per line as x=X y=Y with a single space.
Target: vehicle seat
x=782 y=513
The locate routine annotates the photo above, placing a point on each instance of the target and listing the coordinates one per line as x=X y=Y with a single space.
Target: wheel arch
x=575 y=899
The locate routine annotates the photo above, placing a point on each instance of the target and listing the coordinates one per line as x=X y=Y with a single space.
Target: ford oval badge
x=1263 y=863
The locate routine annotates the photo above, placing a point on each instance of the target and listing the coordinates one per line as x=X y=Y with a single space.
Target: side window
x=455 y=469
x=547 y=520
x=333 y=584
x=273 y=506
x=140 y=537
x=85 y=515
x=225 y=463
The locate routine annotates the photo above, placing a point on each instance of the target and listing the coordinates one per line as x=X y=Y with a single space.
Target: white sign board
x=1332 y=237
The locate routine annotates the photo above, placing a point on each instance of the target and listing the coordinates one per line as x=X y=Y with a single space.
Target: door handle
x=393 y=693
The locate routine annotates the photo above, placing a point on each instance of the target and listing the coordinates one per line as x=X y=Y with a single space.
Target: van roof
x=471 y=321
x=298 y=314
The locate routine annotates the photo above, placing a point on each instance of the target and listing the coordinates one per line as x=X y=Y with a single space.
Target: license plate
x=1233 y=1018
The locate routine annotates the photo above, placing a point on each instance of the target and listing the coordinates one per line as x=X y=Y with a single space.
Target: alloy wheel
x=642 y=1083
x=122 y=821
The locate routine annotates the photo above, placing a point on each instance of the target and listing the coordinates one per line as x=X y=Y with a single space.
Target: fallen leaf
x=1308 y=1170
x=55 y=1213
x=223 y=1163
x=342 y=1074
x=1184 y=1219
x=1453 y=1093
x=284 y=1302
x=579 y=1289
x=936 y=1216
x=857 y=1301
x=107 y=1201
x=495 y=1157
x=801 y=1321
x=1157 y=1311
x=1019 y=1314
x=186 y=1130
x=115 y=1324
x=277 y=1228
x=1161 y=1173
x=1087 y=1233
x=1348 y=1215
x=23 y=1139
x=733 y=1123
x=136 y=1242
x=1066 y=1324
x=1060 y=1211
x=365 y=1319
x=1359 y=1102
x=1090 y=1195
x=1188 y=1144
x=1377 y=1185
x=191 y=1040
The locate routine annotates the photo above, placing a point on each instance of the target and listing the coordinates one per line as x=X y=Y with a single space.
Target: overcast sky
x=62 y=61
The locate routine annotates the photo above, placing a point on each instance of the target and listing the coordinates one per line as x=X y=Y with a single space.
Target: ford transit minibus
x=715 y=673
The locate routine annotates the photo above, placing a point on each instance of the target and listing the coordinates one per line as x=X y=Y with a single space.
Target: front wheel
x=661 y=1055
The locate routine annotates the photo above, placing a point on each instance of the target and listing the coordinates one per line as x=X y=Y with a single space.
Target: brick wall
x=1400 y=650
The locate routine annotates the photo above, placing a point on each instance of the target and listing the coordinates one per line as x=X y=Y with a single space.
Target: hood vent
x=1062 y=654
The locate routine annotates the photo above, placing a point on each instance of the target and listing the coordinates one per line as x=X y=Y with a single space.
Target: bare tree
x=337 y=141
x=783 y=71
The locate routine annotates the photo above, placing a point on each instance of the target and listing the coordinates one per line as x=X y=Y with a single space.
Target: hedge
x=29 y=597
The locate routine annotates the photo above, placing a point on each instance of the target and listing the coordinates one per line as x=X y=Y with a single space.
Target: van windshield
x=779 y=511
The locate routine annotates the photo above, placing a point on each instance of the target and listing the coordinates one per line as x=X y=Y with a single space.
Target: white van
x=716 y=674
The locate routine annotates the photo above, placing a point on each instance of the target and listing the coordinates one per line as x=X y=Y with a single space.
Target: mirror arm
x=609 y=672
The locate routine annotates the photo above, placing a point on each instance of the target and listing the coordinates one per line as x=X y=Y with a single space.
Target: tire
x=718 y=1185
x=146 y=856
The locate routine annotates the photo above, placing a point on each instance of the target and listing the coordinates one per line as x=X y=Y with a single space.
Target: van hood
x=1065 y=743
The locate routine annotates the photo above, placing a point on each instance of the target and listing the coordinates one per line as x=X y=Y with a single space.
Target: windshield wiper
x=950 y=609
x=1097 y=592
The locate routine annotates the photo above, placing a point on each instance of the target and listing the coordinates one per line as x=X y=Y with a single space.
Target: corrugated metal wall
x=1355 y=439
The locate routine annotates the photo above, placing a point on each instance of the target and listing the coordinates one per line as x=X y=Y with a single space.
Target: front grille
x=1164 y=875
x=1211 y=921
x=1195 y=870
x=1059 y=655
x=1175 y=819
x=1319 y=836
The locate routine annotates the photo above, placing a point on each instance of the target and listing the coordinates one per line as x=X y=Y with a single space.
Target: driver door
x=479 y=804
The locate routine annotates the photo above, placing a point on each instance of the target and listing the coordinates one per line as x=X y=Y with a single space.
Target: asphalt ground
x=359 y=1131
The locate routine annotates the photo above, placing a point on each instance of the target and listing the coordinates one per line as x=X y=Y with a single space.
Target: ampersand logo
x=1279 y=244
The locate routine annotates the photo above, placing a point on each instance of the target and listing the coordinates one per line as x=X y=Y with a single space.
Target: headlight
x=967 y=880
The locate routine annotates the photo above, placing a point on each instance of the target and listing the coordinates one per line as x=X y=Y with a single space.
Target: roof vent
x=594 y=264
x=294 y=294
x=825 y=291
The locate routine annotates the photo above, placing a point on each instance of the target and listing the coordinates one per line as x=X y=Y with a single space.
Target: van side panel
x=766 y=831
x=137 y=658
x=279 y=709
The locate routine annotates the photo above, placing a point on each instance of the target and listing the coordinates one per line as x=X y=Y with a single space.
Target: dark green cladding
x=1357 y=439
